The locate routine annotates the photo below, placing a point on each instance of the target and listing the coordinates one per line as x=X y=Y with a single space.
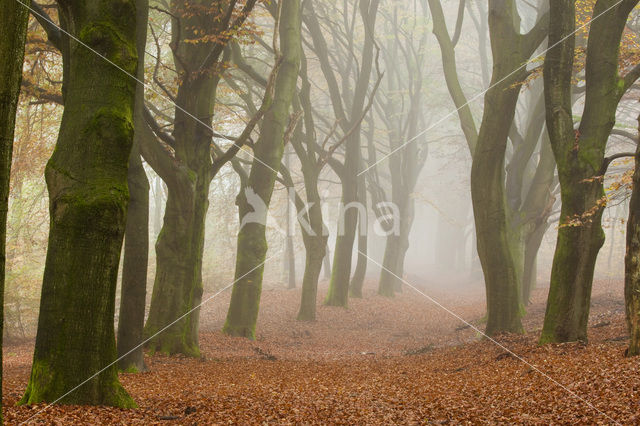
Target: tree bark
x=87 y=182
x=13 y=31
x=136 y=243
x=178 y=288
x=579 y=155
x=252 y=245
x=632 y=263
x=357 y=281
x=338 y=294
x=496 y=239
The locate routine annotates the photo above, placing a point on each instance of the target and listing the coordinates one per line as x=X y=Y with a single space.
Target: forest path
x=381 y=361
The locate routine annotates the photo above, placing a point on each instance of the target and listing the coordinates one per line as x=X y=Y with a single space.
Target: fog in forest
x=322 y=180
x=411 y=110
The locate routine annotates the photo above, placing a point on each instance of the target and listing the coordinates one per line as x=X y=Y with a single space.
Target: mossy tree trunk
x=508 y=245
x=632 y=263
x=87 y=182
x=14 y=17
x=178 y=288
x=252 y=245
x=580 y=158
x=136 y=243
x=496 y=238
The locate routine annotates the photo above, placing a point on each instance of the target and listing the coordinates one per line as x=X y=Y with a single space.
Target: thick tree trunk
x=580 y=158
x=14 y=17
x=632 y=263
x=496 y=247
x=87 y=181
x=498 y=238
x=136 y=243
x=177 y=289
x=252 y=245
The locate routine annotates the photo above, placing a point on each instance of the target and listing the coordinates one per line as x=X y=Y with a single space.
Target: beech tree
x=268 y=151
x=632 y=262
x=87 y=182
x=404 y=87
x=14 y=17
x=498 y=223
x=200 y=32
x=580 y=155
x=136 y=241
x=349 y=109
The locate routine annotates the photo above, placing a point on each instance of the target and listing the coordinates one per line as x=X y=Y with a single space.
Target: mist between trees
x=163 y=149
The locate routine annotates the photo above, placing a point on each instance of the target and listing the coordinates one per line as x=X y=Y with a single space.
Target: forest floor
x=382 y=361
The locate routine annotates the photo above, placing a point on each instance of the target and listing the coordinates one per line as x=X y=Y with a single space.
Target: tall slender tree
x=87 y=182
x=498 y=229
x=348 y=106
x=268 y=150
x=136 y=242
x=14 y=17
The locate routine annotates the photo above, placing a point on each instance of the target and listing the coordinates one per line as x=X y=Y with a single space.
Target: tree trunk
x=252 y=245
x=315 y=253
x=136 y=243
x=357 y=281
x=494 y=233
x=580 y=158
x=14 y=17
x=315 y=246
x=632 y=263
x=497 y=237
x=178 y=288
x=87 y=181
x=338 y=294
